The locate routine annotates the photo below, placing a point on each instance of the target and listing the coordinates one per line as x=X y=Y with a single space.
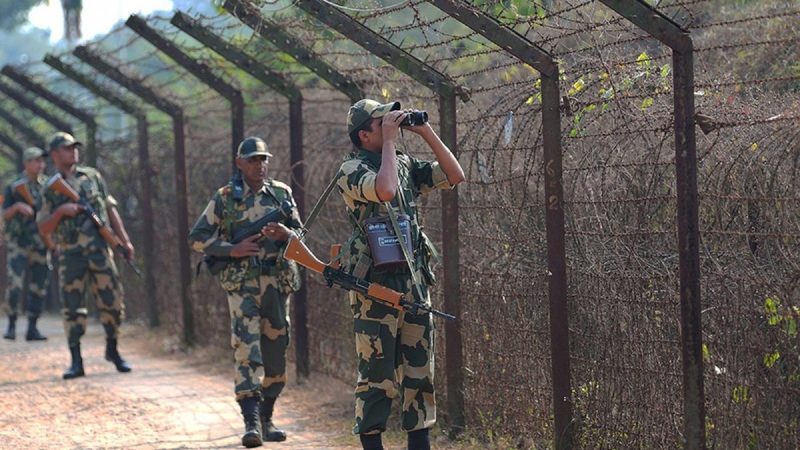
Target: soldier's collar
x=247 y=189
x=372 y=157
x=79 y=169
x=265 y=188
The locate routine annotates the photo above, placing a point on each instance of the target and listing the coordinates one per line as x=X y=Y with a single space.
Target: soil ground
x=172 y=399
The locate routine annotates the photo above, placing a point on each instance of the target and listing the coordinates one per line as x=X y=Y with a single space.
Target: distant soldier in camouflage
x=395 y=348
x=258 y=282
x=27 y=254
x=85 y=261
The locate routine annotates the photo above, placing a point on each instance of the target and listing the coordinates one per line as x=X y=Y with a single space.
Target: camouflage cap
x=253 y=146
x=32 y=153
x=62 y=139
x=366 y=109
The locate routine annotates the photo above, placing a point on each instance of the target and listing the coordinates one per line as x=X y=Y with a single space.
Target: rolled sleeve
x=357 y=183
x=203 y=236
x=439 y=178
x=111 y=201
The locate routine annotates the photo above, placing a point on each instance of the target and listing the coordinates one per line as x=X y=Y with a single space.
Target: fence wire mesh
x=619 y=185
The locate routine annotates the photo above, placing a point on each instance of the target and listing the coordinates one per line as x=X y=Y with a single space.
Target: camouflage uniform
x=84 y=259
x=395 y=349
x=257 y=288
x=27 y=253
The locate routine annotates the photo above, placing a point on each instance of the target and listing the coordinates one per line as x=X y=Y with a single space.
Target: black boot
x=113 y=355
x=33 y=334
x=419 y=440
x=252 y=424
x=76 y=369
x=371 y=441
x=11 y=334
x=271 y=434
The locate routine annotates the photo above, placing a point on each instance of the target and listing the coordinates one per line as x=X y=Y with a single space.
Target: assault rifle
x=21 y=188
x=280 y=214
x=298 y=252
x=58 y=184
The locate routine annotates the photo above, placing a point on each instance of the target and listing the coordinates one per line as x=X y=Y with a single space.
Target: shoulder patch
x=87 y=170
x=280 y=185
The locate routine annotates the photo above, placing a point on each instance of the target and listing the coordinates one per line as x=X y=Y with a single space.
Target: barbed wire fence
x=620 y=202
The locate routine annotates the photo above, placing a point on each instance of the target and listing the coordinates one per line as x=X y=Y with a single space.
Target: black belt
x=400 y=269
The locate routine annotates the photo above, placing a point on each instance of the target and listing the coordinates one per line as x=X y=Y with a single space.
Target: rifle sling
x=317 y=206
x=269 y=190
x=401 y=202
x=393 y=217
x=403 y=206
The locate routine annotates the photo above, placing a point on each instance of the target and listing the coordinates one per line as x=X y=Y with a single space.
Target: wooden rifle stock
x=336 y=249
x=21 y=188
x=299 y=253
x=58 y=184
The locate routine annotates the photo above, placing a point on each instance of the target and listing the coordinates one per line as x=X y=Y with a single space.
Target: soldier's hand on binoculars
x=391 y=123
x=248 y=247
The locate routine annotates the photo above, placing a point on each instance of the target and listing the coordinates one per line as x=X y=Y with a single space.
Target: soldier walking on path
x=85 y=259
x=257 y=280
x=27 y=258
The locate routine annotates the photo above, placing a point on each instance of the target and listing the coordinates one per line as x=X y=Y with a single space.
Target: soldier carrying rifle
x=85 y=258
x=257 y=280
x=27 y=252
x=380 y=185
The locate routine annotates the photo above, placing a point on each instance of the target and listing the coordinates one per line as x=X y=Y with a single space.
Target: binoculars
x=414 y=118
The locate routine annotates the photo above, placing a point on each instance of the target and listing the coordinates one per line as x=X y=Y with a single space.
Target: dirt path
x=168 y=401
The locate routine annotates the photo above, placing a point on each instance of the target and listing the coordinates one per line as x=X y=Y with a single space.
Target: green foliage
x=20 y=48
x=14 y=13
x=647 y=79
x=784 y=320
x=8 y=168
x=774 y=60
x=200 y=7
x=511 y=10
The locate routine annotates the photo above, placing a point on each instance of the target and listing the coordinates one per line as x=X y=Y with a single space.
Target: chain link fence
x=620 y=203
